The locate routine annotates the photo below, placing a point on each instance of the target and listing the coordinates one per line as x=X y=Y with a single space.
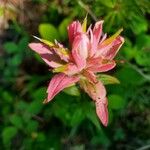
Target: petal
x=102 y=67
x=112 y=38
x=69 y=69
x=95 y=36
x=98 y=93
x=102 y=111
x=81 y=44
x=90 y=76
x=80 y=50
x=62 y=52
x=94 y=61
x=103 y=38
x=93 y=43
x=95 y=91
x=110 y=51
x=58 y=83
x=74 y=28
x=109 y=47
x=97 y=30
x=115 y=48
x=72 y=69
x=47 y=54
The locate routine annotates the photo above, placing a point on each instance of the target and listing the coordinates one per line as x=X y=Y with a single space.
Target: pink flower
x=90 y=53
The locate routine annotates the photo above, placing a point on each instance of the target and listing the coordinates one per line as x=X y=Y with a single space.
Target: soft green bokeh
x=70 y=121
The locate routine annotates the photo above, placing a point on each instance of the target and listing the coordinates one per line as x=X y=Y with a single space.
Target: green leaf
x=11 y=47
x=41 y=137
x=116 y=102
x=48 y=32
x=23 y=43
x=143 y=42
x=143 y=58
x=91 y=115
x=16 y=60
x=7 y=96
x=37 y=98
x=64 y=112
x=32 y=126
x=73 y=90
x=108 y=3
x=39 y=94
x=21 y=106
x=63 y=28
x=139 y=24
x=77 y=117
x=129 y=76
x=101 y=138
x=119 y=134
x=129 y=52
x=16 y=121
x=8 y=133
x=110 y=116
x=107 y=79
x=34 y=108
x=94 y=119
x=143 y=50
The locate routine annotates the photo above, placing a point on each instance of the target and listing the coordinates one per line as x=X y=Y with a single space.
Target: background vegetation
x=69 y=121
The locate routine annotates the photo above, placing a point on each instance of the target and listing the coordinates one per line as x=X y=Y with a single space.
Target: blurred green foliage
x=69 y=121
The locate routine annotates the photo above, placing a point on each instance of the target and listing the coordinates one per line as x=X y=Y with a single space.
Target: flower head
x=91 y=52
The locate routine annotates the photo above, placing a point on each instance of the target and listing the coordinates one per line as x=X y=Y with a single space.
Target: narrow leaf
x=110 y=39
x=44 y=41
x=107 y=79
x=73 y=90
x=116 y=102
x=84 y=25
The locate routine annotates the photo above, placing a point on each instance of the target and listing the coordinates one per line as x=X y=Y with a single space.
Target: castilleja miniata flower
x=90 y=53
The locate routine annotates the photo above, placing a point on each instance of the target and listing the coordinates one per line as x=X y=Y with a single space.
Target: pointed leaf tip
x=48 y=43
x=60 y=69
x=84 y=24
x=107 y=79
x=113 y=37
x=36 y=37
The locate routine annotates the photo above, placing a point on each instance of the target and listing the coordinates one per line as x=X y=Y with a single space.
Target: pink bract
x=91 y=52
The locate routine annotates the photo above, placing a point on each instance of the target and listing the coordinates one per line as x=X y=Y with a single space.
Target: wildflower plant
x=90 y=53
